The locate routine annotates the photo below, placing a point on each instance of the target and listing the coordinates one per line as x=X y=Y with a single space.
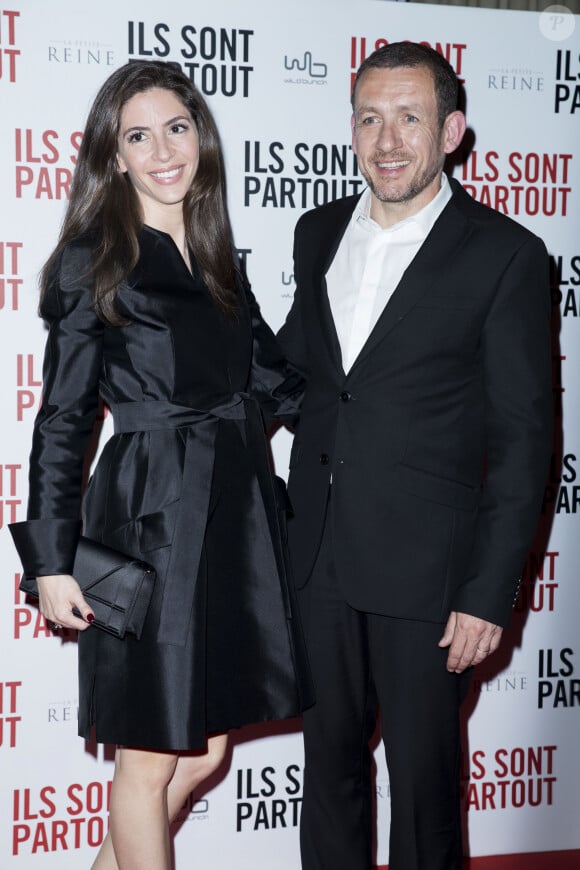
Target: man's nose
x=389 y=137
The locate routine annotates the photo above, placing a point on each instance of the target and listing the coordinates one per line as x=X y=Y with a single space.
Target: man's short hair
x=413 y=54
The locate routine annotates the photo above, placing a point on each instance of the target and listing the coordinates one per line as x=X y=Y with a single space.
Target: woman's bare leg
x=138 y=820
x=192 y=770
x=141 y=833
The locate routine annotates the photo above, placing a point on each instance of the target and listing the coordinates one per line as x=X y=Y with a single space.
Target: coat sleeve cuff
x=46 y=546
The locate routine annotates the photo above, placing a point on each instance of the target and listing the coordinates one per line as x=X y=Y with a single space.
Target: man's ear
x=453 y=131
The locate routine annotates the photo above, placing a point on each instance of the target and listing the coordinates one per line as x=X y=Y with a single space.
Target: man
x=421 y=321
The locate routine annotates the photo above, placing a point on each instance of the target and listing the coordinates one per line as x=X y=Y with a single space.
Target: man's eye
x=366 y=122
x=411 y=118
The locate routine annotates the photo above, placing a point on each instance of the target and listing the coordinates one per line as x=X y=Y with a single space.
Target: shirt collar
x=425 y=218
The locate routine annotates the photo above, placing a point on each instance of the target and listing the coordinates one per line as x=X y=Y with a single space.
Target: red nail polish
x=90 y=617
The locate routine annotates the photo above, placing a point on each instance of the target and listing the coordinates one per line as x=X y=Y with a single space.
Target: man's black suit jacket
x=437 y=440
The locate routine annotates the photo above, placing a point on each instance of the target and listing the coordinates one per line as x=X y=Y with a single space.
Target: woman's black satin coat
x=184 y=483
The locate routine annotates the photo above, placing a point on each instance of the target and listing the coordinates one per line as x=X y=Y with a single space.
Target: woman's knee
x=197 y=767
x=145 y=769
x=216 y=751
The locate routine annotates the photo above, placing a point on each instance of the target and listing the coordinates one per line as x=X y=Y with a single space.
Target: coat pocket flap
x=438 y=489
x=155 y=530
x=449 y=303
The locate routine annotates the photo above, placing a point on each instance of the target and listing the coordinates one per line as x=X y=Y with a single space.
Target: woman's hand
x=58 y=594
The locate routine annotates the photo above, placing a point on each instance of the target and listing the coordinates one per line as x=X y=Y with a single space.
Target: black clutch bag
x=117 y=587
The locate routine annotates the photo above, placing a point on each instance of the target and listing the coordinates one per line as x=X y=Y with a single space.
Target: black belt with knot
x=189 y=532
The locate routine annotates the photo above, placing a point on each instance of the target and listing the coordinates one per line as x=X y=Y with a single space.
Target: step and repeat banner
x=278 y=79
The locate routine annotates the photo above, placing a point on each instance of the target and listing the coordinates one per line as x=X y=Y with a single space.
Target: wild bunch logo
x=288 y=283
x=216 y=59
x=9 y=51
x=304 y=70
x=193 y=810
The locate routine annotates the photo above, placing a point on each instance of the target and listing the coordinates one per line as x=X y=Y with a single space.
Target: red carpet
x=537 y=861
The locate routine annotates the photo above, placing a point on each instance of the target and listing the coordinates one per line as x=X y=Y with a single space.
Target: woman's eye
x=136 y=136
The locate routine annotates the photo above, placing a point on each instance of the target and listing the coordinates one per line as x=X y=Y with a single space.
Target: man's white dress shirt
x=368 y=265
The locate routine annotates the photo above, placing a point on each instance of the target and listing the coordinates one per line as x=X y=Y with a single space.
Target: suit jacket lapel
x=450 y=231
x=330 y=238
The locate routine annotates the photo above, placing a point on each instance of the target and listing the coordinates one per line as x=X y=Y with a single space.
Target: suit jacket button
x=324 y=459
x=345 y=396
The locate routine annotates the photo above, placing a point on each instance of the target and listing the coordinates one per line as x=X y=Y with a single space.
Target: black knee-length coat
x=184 y=483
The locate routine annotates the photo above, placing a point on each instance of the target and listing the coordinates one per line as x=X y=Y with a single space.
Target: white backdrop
x=278 y=82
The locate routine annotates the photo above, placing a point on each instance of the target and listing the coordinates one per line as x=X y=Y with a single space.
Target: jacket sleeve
x=292 y=336
x=277 y=385
x=47 y=541
x=516 y=349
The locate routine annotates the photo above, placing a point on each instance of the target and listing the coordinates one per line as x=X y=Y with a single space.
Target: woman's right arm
x=47 y=540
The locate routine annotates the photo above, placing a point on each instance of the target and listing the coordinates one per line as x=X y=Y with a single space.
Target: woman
x=147 y=309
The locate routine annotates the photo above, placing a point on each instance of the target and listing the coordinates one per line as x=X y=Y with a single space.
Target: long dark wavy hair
x=105 y=208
